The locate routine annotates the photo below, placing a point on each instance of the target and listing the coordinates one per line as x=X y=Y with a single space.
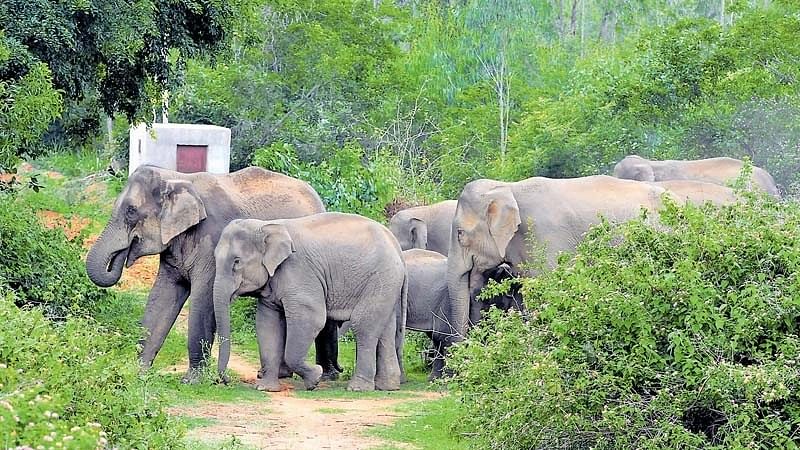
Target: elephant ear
x=502 y=215
x=279 y=246
x=181 y=208
x=419 y=233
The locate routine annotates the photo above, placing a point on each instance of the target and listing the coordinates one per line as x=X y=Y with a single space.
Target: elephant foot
x=330 y=375
x=360 y=384
x=285 y=372
x=312 y=380
x=192 y=376
x=223 y=378
x=268 y=385
x=387 y=384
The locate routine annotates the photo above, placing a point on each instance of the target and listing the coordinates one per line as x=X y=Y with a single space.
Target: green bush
x=646 y=338
x=40 y=265
x=75 y=383
x=346 y=180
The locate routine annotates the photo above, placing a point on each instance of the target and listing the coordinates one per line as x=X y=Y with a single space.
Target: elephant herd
x=267 y=235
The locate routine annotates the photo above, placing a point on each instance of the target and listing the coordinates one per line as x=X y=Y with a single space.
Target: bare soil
x=285 y=421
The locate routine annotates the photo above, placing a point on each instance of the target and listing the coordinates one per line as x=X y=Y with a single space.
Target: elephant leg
x=387 y=370
x=264 y=337
x=303 y=324
x=327 y=350
x=202 y=326
x=367 y=334
x=439 y=348
x=271 y=331
x=164 y=303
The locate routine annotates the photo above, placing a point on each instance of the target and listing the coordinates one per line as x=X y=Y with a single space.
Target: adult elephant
x=494 y=218
x=180 y=217
x=712 y=170
x=424 y=227
x=698 y=192
x=329 y=266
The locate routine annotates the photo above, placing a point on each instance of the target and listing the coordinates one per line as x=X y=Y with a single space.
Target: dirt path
x=285 y=421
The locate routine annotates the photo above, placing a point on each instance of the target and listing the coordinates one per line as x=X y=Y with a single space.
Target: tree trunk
x=573 y=19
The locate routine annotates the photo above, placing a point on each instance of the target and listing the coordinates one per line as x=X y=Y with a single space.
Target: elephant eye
x=461 y=235
x=130 y=213
x=236 y=262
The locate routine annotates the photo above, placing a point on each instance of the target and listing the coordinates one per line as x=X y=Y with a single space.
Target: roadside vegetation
x=681 y=337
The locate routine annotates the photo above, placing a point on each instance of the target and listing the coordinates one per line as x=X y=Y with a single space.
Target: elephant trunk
x=222 y=301
x=106 y=258
x=458 y=290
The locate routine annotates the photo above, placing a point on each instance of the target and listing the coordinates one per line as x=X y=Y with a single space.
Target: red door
x=191 y=158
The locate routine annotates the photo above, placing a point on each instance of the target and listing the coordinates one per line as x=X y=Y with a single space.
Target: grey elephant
x=493 y=220
x=698 y=192
x=429 y=303
x=425 y=227
x=712 y=170
x=328 y=266
x=180 y=217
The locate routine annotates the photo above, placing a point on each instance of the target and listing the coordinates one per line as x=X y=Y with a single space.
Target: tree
x=117 y=55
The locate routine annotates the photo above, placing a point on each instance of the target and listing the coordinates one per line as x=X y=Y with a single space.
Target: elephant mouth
x=132 y=254
x=112 y=260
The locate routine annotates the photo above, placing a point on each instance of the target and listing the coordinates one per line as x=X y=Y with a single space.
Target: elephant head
x=150 y=212
x=411 y=231
x=504 y=302
x=487 y=218
x=634 y=168
x=247 y=256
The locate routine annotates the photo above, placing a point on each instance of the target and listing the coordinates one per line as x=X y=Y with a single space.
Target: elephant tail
x=401 y=325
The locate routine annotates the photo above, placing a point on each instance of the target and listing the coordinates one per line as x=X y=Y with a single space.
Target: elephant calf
x=429 y=304
x=326 y=266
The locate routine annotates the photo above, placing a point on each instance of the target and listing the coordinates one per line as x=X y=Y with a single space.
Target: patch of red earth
x=141 y=275
x=72 y=226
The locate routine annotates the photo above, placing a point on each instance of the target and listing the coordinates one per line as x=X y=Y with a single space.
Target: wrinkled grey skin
x=428 y=302
x=698 y=192
x=424 y=227
x=330 y=266
x=712 y=170
x=180 y=217
x=492 y=222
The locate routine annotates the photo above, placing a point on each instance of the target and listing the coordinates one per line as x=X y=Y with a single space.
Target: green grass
x=230 y=443
x=196 y=422
x=427 y=426
x=73 y=164
x=332 y=410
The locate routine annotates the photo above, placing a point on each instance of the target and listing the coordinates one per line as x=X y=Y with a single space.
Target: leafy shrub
x=74 y=383
x=646 y=338
x=346 y=180
x=40 y=265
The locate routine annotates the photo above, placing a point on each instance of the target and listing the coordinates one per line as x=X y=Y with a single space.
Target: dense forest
x=381 y=104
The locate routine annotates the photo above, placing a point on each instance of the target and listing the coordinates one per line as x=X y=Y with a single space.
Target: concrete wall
x=158 y=145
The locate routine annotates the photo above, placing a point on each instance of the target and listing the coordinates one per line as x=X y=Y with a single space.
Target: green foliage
x=28 y=103
x=682 y=337
x=305 y=73
x=41 y=265
x=425 y=425
x=345 y=180
x=74 y=385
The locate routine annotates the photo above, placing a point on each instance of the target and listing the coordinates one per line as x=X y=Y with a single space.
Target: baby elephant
x=429 y=304
x=325 y=266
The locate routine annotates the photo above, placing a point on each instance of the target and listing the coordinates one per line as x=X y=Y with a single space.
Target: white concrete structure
x=181 y=147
